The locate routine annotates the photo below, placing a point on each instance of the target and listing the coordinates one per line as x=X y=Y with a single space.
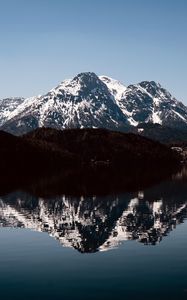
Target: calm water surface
x=121 y=246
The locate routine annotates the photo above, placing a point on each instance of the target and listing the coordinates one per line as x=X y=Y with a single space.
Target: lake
x=127 y=245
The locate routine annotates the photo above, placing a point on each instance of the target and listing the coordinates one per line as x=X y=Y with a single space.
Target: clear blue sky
x=43 y=42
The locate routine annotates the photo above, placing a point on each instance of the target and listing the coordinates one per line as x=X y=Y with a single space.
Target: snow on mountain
x=7 y=106
x=91 y=101
x=116 y=87
x=149 y=102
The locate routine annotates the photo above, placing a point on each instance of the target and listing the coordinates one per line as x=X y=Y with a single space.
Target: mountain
x=84 y=101
x=97 y=102
x=149 y=102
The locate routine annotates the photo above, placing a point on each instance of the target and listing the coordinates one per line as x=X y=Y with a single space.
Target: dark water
x=122 y=246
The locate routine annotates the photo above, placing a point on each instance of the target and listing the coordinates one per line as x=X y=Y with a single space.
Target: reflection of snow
x=88 y=224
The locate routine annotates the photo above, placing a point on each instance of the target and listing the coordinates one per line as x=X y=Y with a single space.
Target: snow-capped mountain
x=91 y=101
x=7 y=106
x=84 y=101
x=149 y=102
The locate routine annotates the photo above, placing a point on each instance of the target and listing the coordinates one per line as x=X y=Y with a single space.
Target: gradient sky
x=43 y=42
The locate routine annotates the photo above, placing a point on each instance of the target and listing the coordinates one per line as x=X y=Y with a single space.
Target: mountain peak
x=86 y=76
x=150 y=85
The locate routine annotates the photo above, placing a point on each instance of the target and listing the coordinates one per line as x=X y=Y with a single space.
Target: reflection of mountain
x=99 y=223
x=84 y=224
x=146 y=222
